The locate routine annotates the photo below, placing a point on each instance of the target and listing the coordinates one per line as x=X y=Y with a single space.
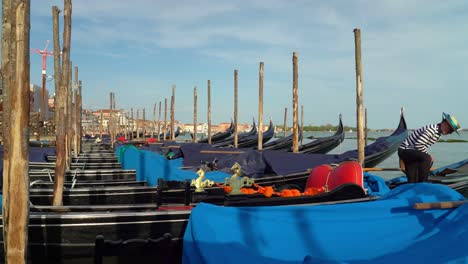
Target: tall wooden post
x=101 y=125
x=209 y=112
x=295 y=147
x=138 y=124
x=109 y=121
x=159 y=122
x=8 y=74
x=171 y=122
x=115 y=121
x=144 y=123
x=285 y=118
x=236 y=131
x=365 y=126
x=68 y=110
x=76 y=116
x=165 y=119
x=172 y=112
x=79 y=117
x=132 y=125
x=195 y=115
x=127 y=125
x=153 y=127
x=61 y=129
x=16 y=190
x=57 y=60
x=359 y=96
x=260 y=107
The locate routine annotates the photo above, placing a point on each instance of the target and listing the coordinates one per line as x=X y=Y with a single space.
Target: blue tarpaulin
x=388 y=230
x=375 y=185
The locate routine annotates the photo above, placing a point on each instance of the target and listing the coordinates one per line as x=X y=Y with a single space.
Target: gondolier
x=413 y=151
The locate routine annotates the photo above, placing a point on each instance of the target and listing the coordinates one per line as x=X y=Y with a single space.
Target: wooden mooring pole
x=285 y=119
x=16 y=178
x=153 y=127
x=57 y=61
x=359 y=96
x=295 y=147
x=76 y=113
x=132 y=124
x=101 y=125
x=236 y=131
x=260 y=107
x=138 y=124
x=8 y=74
x=80 y=116
x=209 y=112
x=115 y=122
x=61 y=129
x=68 y=110
x=159 y=122
x=173 y=112
x=195 y=134
x=165 y=119
x=144 y=123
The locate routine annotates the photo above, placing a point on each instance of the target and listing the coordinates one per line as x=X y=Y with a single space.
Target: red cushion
x=346 y=172
x=318 y=177
x=325 y=176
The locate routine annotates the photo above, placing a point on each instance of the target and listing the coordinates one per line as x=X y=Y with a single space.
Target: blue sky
x=414 y=55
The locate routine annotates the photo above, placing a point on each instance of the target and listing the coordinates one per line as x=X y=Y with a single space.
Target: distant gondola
x=252 y=141
x=219 y=136
x=325 y=144
x=284 y=143
x=241 y=136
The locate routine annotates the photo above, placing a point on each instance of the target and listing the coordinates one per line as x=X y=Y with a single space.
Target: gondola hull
x=88 y=159
x=65 y=236
x=84 y=175
x=89 y=184
x=125 y=197
x=81 y=165
x=84 y=178
x=70 y=237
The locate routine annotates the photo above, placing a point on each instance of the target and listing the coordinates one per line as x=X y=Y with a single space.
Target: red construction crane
x=44 y=54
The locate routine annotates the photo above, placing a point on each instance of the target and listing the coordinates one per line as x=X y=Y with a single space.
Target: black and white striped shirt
x=422 y=138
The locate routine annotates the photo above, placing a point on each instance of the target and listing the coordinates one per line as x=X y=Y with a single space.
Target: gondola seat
x=324 y=176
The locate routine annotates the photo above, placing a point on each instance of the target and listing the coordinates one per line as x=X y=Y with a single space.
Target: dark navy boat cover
x=251 y=161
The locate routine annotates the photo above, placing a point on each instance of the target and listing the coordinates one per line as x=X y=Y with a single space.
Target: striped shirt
x=422 y=138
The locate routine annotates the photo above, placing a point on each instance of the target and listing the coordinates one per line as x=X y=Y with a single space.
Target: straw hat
x=451 y=121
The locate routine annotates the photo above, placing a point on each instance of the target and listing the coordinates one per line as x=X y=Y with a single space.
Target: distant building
x=201 y=128
x=36 y=101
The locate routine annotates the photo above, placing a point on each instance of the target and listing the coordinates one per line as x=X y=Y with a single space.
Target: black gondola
x=325 y=144
x=219 y=136
x=66 y=233
x=252 y=141
x=284 y=143
x=230 y=140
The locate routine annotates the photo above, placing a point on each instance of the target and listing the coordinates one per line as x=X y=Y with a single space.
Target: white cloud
x=410 y=48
